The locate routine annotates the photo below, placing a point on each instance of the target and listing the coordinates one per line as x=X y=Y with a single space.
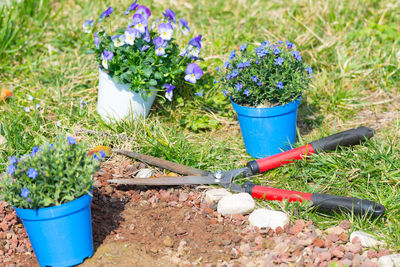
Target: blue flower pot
x=60 y=235
x=268 y=131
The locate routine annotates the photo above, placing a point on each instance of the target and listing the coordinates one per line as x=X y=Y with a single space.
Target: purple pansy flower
x=130 y=35
x=234 y=73
x=144 y=11
x=87 y=25
x=11 y=169
x=118 y=40
x=133 y=6
x=193 y=73
x=280 y=42
x=278 y=61
x=183 y=24
x=160 y=44
x=96 y=40
x=226 y=93
x=71 y=140
x=259 y=83
x=102 y=154
x=106 y=13
x=217 y=68
x=196 y=41
x=32 y=173
x=279 y=85
x=169 y=92
x=247 y=92
x=254 y=78
x=165 y=30
x=257 y=62
x=95 y=157
x=144 y=48
x=183 y=53
x=106 y=56
x=139 y=22
x=24 y=192
x=146 y=36
x=243 y=47
x=277 y=51
x=289 y=45
x=29 y=200
x=170 y=15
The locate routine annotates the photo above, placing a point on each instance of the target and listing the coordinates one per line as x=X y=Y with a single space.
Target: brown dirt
x=176 y=227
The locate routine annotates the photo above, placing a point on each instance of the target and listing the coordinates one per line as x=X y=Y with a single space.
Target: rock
x=144 y=173
x=345 y=225
x=366 y=240
x=215 y=195
x=389 y=260
x=241 y=203
x=108 y=189
x=168 y=241
x=97 y=184
x=183 y=196
x=335 y=230
x=263 y=218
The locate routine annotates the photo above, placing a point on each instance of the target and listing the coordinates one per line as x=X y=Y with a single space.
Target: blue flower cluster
x=240 y=70
x=32 y=173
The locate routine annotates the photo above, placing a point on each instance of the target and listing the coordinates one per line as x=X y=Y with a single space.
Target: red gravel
x=176 y=226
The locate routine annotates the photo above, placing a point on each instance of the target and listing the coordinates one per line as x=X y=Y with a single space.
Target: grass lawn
x=352 y=46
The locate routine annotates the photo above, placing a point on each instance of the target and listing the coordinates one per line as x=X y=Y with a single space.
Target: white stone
x=144 y=173
x=263 y=218
x=241 y=203
x=366 y=240
x=215 y=195
x=389 y=260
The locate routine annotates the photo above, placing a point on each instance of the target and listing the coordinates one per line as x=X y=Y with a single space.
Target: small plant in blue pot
x=265 y=84
x=50 y=189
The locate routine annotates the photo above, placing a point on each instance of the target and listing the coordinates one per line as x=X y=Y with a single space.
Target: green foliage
x=53 y=175
x=266 y=75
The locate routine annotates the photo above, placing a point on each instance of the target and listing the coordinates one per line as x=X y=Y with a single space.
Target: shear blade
x=185 y=180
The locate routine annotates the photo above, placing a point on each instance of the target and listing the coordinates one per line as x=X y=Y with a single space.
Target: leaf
x=147 y=72
x=153 y=82
x=4 y=94
x=90 y=52
x=157 y=75
x=96 y=150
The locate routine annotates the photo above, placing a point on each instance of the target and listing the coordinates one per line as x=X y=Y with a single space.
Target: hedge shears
x=324 y=202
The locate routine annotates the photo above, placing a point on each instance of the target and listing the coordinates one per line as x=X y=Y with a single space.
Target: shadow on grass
x=106 y=216
x=308 y=117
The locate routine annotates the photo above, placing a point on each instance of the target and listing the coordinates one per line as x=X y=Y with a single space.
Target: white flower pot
x=115 y=101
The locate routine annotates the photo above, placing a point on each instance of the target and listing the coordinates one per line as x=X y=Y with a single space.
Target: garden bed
x=176 y=227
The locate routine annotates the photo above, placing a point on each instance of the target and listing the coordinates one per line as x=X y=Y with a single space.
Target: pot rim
x=54 y=211
x=266 y=112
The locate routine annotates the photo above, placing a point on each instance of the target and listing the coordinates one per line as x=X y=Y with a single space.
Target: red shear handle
x=323 y=202
x=269 y=193
x=346 y=138
x=272 y=162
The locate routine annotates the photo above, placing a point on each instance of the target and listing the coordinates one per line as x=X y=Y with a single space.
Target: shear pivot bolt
x=218 y=175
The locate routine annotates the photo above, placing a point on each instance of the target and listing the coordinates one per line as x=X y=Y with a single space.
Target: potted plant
x=141 y=60
x=50 y=190
x=265 y=85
